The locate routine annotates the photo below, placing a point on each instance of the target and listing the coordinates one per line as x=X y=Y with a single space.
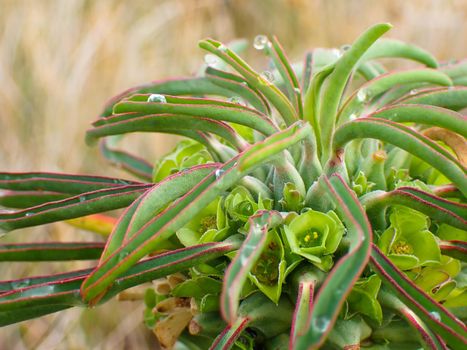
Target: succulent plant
x=315 y=206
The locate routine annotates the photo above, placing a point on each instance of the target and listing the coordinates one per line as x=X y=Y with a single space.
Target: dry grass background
x=61 y=59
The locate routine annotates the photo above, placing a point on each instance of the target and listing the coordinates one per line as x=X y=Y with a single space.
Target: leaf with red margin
x=32 y=298
x=342 y=277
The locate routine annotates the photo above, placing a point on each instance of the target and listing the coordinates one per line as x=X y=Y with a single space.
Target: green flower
x=407 y=242
x=186 y=154
x=268 y=274
x=363 y=299
x=315 y=236
x=240 y=204
x=209 y=225
x=361 y=185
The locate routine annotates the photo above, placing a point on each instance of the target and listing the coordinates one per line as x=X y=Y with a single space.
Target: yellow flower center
x=309 y=238
x=402 y=247
x=207 y=223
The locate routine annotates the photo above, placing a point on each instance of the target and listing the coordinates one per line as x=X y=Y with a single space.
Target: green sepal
x=197 y=287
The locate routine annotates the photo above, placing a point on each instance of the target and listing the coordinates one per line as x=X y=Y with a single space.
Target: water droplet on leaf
x=28 y=214
x=123 y=255
x=413 y=91
x=82 y=198
x=219 y=173
x=222 y=48
x=260 y=42
x=435 y=315
x=353 y=116
x=267 y=77
x=237 y=100
x=157 y=98
x=345 y=47
x=322 y=323
x=336 y=52
x=211 y=60
x=297 y=90
x=20 y=284
x=362 y=96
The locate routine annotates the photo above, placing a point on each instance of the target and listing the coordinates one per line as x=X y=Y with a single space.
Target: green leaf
x=245 y=260
x=272 y=93
x=405 y=138
x=333 y=91
x=50 y=251
x=343 y=276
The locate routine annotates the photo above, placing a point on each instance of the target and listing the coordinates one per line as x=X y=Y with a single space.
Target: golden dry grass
x=61 y=59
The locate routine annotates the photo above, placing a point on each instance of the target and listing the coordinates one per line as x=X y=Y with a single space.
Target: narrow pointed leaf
x=385 y=48
x=26 y=302
x=213 y=109
x=164 y=123
x=272 y=93
x=337 y=81
x=26 y=199
x=60 y=183
x=72 y=207
x=245 y=259
x=51 y=251
x=383 y=83
x=131 y=163
x=454 y=98
x=342 y=277
x=425 y=115
x=407 y=139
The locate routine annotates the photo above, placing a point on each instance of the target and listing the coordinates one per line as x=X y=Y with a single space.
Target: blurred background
x=60 y=60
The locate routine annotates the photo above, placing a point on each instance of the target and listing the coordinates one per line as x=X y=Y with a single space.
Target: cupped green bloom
x=240 y=204
x=361 y=185
x=209 y=225
x=268 y=273
x=363 y=299
x=315 y=236
x=407 y=242
x=186 y=154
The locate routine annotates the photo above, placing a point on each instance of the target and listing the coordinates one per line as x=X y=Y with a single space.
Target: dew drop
x=336 y=52
x=322 y=323
x=222 y=48
x=345 y=47
x=435 y=315
x=260 y=42
x=413 y=91
x=82 y=198
x=211 y=60
x=297 y=90
x=362 y=96
x=353 y=116
x=267 y=77
x=20 y=284
x=218 y=173
x=157 y=98
x=237 y=100
x=123 y=255
x=28 y=214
